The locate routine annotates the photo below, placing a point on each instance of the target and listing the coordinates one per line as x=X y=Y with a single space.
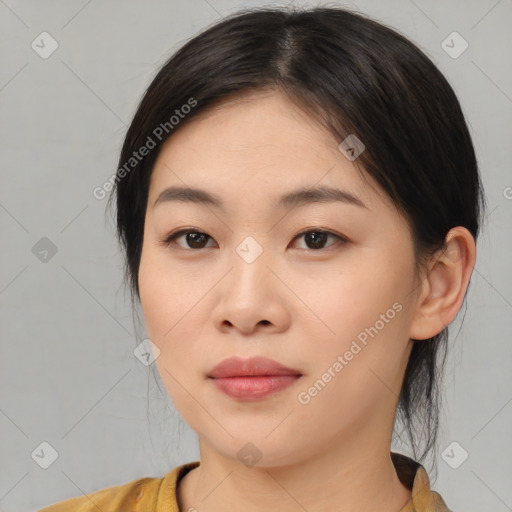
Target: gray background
x=68 y=373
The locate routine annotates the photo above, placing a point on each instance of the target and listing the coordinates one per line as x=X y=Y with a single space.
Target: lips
x=252 y=379
x=255 y=366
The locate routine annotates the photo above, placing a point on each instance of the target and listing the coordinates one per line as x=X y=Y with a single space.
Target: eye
x=194 y=239
x=316 y=238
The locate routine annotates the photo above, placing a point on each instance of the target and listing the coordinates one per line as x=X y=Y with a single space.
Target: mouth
x=252 y=379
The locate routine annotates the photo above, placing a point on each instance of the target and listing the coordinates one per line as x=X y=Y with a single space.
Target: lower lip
x=254 y=388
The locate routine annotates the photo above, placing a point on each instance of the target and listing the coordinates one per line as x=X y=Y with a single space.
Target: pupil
x=317 y=238
x=192 y=238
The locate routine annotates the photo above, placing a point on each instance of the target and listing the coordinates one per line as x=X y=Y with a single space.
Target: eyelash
x=171 y=238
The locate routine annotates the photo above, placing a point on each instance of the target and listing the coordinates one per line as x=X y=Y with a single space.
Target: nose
x=251 y=297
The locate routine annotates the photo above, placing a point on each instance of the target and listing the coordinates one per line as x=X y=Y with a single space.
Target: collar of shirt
x=411 y=473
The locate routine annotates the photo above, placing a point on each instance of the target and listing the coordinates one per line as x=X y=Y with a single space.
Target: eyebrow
x=322 y=194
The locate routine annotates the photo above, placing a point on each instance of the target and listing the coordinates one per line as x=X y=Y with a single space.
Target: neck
x=347 y=481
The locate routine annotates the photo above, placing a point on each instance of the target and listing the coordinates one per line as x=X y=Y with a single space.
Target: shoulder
x=143 y=491
x=144 y=494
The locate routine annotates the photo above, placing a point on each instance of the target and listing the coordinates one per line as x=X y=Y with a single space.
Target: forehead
x=257 y=147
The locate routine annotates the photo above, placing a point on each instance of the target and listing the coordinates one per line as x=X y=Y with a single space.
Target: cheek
x=166 y=294
x=349 y=301
x=162 y=309
x=171 y=303
x=368 y=311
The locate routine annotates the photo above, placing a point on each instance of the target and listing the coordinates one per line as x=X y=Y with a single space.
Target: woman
x=298 y=200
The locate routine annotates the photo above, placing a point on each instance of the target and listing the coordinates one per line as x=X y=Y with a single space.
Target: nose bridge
x=249 y=287
x=250 y=262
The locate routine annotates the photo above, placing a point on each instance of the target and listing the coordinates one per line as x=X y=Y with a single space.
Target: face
x=324 y=287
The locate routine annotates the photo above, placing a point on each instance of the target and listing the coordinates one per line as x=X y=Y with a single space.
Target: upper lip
x=237 y=367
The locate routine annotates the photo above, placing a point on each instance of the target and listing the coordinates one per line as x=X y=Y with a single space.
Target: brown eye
x=317 y=239
x=193 y=239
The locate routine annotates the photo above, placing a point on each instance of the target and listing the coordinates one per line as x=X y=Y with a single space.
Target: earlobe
x=444 y=286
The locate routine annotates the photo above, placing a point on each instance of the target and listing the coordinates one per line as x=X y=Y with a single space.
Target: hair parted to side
x=352 y=75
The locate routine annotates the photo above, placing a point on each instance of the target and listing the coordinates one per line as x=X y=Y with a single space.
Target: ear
x=443 y=287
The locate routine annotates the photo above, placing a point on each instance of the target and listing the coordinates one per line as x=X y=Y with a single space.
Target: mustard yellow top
x=159 y=494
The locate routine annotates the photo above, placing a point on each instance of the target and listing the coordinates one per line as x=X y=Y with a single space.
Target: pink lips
x=252 y=379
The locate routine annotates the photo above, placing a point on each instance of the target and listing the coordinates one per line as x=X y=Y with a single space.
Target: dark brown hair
x=354 y=76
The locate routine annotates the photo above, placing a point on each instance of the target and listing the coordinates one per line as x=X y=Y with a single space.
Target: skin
x=296 y=304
